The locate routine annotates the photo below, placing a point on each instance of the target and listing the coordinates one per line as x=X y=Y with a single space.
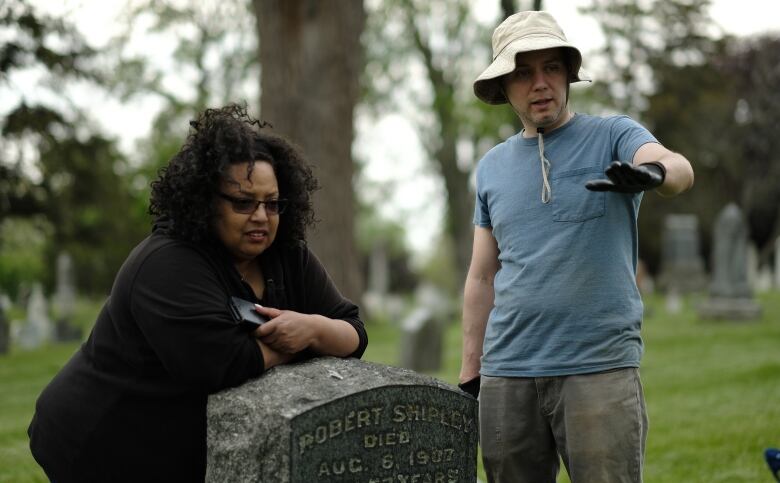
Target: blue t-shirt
x=566 y=300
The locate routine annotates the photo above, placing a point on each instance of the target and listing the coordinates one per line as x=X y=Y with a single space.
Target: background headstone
x=345 y=420
x=682 y=266
x=777 y=263
x=764 y=279
x=673 y=302
x=730 y=292
x=423 y=329
x=378 y=269
x=378 y=301
x=421 y=340
x=5 y=327
x=37 y=329
x=64 y=300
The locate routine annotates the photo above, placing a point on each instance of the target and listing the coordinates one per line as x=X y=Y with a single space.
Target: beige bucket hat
x=523 y=32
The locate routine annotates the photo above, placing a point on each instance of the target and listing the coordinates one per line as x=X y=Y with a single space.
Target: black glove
x=471 y=386
x=627 y=178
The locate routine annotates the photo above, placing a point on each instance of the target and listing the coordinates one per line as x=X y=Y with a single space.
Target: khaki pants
x=596 y=422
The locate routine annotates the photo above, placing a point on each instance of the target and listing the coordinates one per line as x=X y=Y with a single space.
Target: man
x=552 y=314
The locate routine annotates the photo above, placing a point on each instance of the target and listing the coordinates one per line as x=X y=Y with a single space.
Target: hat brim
x=487 y=87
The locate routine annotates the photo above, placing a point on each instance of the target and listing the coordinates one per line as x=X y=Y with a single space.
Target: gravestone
x=64 y=300
x=777 y=263
x=421 y=340
x=730 y=292
x=422 y=331
x=379 y=269
x=682 y=267
x=763 y=281
x=5 y=327
x=342 y=420
x=37 y=329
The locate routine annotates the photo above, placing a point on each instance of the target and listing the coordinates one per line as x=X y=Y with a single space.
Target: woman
x=232 y=208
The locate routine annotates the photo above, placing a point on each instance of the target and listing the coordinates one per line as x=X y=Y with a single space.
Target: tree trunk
x=460 y=208
x=311 y=59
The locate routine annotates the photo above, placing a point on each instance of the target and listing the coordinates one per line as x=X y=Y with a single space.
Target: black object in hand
x=626 y=178
x=471 y=386
x=244 y=312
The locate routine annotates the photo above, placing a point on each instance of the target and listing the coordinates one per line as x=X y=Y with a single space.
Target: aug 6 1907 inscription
x=335 y=420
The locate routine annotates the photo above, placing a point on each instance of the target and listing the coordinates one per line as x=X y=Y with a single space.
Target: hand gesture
x=626 y=178
x=286 y=331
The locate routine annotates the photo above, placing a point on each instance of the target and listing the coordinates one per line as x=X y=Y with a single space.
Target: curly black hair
x=186 y=188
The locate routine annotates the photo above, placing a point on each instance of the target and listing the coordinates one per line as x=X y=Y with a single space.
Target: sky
x=414 y=196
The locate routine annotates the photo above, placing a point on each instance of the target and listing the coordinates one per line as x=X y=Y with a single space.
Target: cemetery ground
x=712 y=390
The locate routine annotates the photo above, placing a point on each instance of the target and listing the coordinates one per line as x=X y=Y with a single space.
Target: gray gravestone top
x=344 y=420
x=682 y=267
x=37 y=329
x=729 y=255
x=65 y=294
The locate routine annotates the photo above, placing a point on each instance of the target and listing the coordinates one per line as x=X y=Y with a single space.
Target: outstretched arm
x=653 y=168
x=679 y=173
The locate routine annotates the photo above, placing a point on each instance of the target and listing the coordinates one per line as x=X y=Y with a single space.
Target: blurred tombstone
x=764 y=279
x=378 y=269
x=5 y=327
x=36 y=330
x=752 y=266
x=376 y=297
x=730 y=292
x=777 y=263
x=673 y=301
x=682 y=267
x=64 y=300
x=422 y=331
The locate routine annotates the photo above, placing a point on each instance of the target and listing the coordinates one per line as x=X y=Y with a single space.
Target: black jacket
x=130 y=405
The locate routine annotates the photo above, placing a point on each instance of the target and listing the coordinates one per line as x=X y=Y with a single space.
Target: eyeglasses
x=246 y=206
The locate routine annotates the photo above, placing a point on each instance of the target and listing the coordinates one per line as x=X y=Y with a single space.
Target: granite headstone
x=421 y=340
x=682 y=266
x=342 y=420
x=423 y=329
x=64 y=300
x=730 y=292
x=777 y=263
x=37 y=329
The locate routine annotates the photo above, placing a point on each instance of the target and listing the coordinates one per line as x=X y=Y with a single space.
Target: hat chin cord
x=545 y=163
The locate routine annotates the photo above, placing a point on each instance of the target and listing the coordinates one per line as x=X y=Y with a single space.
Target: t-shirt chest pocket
x=571 y=201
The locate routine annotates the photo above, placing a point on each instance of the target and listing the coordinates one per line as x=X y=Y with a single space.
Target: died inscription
x=393 y=434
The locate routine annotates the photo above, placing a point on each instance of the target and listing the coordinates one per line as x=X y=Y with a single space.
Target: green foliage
x=643 y=36
x=213 y=62
x=86 y=199
x=60 y=167
x=22 y=252
x=31 y=38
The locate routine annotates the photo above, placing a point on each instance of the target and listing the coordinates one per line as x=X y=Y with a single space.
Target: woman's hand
x=286 y=331
x=290 y=332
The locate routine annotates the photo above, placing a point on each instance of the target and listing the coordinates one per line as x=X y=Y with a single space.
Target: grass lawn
x=712 y=390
